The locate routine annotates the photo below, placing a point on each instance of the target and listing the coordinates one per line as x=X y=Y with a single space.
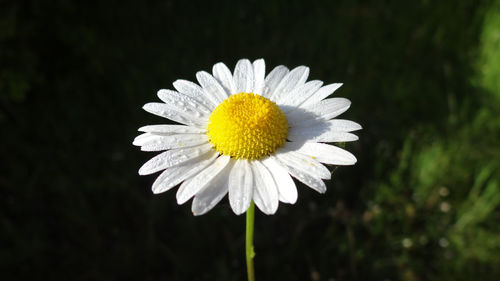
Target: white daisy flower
x=246 y=134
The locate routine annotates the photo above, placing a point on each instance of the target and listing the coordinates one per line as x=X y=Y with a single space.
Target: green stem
x=249 y=242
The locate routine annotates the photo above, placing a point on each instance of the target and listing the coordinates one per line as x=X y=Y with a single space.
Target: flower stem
x=250 y=254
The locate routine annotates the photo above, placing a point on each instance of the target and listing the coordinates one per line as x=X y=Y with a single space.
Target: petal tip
x=238 y=213
x=143 y=172
x=196 y=213
x=354 y=160
x=180 y=200
x=219 y=65
x=161 y=91
x=260 y=60
x=156 y=190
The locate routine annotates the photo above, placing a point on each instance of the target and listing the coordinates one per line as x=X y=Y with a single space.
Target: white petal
x=223 y=74
x=193 y=185
x=173 y=113
x=173 y=157
x=171 y=129
x=174 y=141
x=299 y=94
x=211 y=86
x=339 y=125
x=325 y=109
x=303 y=163
x=265 y=193
x=323 y=131
x=184 y=103
x=194 y=91
x=328 y=136
x=241 y=185
x=210 y=195
x=305 y=178
x=295 y=78
x=144 y=138
x=321 y=94
x=273 y=79
x=323 y=153
x=176 y=174
x=243 y=76
x=287 y=190
x=149 y=138
x=259 y=71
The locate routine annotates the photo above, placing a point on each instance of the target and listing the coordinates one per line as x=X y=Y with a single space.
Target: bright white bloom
x=246 y=134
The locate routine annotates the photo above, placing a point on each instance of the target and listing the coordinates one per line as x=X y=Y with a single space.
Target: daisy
x=246 y=134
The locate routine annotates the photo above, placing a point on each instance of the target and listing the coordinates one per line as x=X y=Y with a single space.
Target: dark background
x=422 y=203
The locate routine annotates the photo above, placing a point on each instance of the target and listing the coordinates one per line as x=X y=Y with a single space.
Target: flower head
x=246 y=134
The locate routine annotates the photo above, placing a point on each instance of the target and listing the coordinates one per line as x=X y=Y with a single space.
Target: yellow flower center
x=247 y=126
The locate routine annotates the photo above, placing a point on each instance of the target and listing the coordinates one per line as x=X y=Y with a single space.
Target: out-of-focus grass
x=489 y=66
x=445 y=193
x=444 y=197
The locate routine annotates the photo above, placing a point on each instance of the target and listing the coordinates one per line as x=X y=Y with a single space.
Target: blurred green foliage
x=422 y=203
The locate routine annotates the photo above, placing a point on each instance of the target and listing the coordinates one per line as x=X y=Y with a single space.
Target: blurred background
x=422 y=203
